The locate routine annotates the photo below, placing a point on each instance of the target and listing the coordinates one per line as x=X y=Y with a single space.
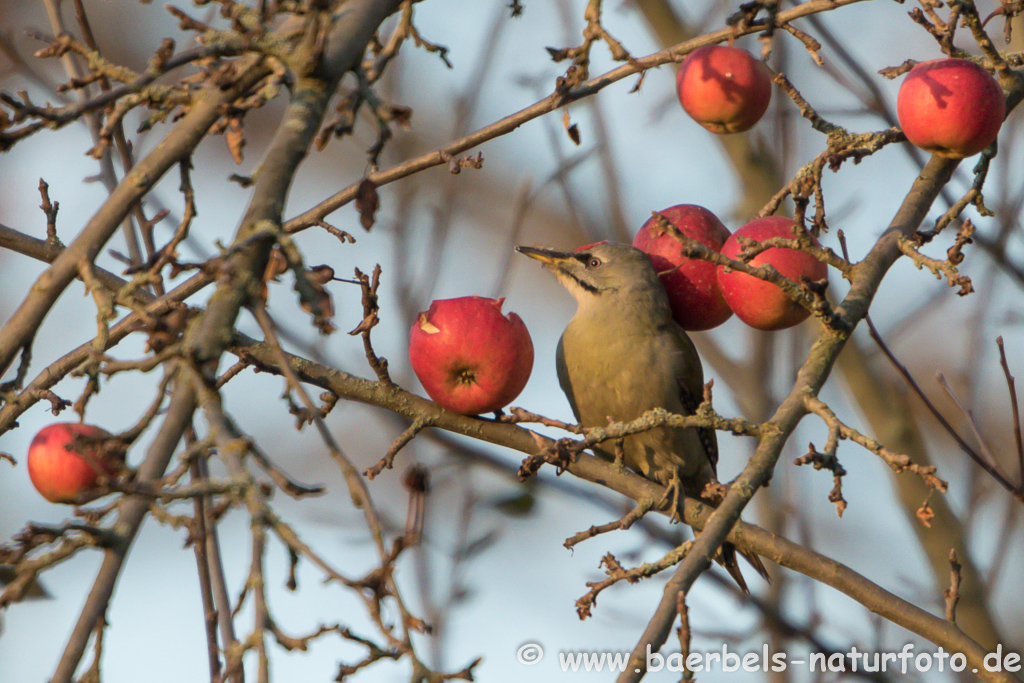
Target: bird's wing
x=690 y=376
x=563 y=378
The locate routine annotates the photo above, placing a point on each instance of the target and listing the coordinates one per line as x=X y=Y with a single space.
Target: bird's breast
x=621 y=377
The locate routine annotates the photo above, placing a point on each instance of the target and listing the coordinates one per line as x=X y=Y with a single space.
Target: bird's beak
x=548 y=257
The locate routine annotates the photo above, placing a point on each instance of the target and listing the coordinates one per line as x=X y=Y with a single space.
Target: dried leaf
x=276 y=265
x=234 y=135
x=367 y=323
x=416 y=479
x=367 y=202
x=167 y=329
x=558 y=54
x=571 y=128
x=400 y=115
x=321 y=274
x=316 y=300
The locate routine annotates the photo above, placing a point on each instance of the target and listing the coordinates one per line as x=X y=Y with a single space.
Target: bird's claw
x=673 y=498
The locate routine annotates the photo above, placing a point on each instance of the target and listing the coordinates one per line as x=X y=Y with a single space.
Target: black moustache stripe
x=585 y=285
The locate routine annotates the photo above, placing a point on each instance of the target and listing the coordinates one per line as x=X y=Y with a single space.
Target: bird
x=623 y=354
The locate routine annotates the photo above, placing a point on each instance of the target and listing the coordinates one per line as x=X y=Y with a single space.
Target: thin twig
x=50 y=209
x=986 y=452
x=546 y=105
x=952 y=594
x=634 y=515
x=902 y=369
x=371 y=307
x=388 y=461
x=198 y=537
x=1014 y=408
x=898 y=462
x=684 y=628
x=592 y=468
x=357 y=488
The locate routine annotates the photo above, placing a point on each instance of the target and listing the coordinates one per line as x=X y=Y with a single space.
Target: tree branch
x=129 y=519
x=593 y=469
x=20 y=327
x=548 y=104
x=866 y=277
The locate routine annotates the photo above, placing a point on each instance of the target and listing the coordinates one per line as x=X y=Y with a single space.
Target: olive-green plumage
x=622 y=354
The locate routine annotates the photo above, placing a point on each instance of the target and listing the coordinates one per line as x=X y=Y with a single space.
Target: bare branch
x=1014 y=409
x=952 y=594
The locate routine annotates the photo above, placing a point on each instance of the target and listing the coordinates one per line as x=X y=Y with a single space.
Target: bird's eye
x=594 y=262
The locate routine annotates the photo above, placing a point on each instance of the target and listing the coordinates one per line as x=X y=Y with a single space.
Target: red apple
x=759 y=303
x=61 y=473
x=692 y=286
x=952 y=107
x=724 y=88
x=469 y=357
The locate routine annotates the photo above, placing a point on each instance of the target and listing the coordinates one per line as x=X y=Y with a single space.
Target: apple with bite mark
x=691 y=284
x=64 y=471
x=470 y=357
x=724 y=88
x=758 y=303
x=952 y=107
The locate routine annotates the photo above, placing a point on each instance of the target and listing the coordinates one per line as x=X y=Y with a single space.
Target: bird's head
x=603 y=272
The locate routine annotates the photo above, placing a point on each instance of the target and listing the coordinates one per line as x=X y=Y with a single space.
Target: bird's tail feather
x=727 y=558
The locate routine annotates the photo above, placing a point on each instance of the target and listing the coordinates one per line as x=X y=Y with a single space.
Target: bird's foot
x=673 y=498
